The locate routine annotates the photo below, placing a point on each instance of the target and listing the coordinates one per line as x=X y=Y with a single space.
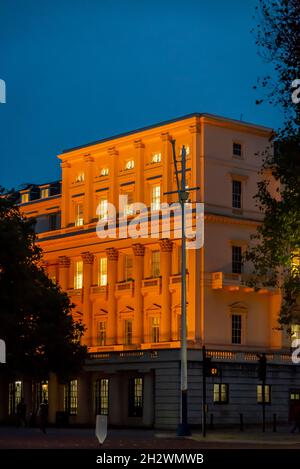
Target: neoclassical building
x=127 y=291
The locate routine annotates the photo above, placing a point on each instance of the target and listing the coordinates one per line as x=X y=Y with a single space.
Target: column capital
x=195 y=128
x=138 y=144
x=165 y=136
x=88 y=158
x=64 y=262
x=112 y=151
x=87 y=257
x=112 y=254
x=64 y=164
x=138 y=249
x=166 y=245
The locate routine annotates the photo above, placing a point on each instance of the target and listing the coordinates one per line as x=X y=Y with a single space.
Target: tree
x=275 y=255
x=35 y=314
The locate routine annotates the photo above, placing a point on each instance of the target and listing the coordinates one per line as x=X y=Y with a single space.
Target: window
x=79 y=214
x=236 y=194
x=79 y=177
x=102 y=209
x=15 y=395
x=155 y=329
x=44 y=193
x=101 y=333
x=104 y=172
x=128 y=267
x=237 y=263
x=102 y=273
x=236 y=328
x=40 y=393
x=78 y=275
x=295 y=331
x=221 y=393
x=52 y=221
x=25 y=198
x=129 y=165
x=237 y=149
x=259 y=394
x=128 y=332
x=155 y=197
x=71 y=397
x=130 y=199
x=156 y=158
x=101 y=396
x=155 y=264
x=135 y=397
x=295 y=396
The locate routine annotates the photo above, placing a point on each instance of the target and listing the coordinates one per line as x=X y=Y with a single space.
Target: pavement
x=74 y=438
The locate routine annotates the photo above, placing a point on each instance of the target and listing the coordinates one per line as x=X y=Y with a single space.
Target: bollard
x=211 y=423
x=274 y=423
x=241 y=423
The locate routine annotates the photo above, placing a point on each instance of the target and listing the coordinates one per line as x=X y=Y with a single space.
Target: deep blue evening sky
x=81 y=70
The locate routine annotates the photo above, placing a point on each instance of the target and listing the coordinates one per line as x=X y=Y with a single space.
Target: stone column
x=166 y=246
x=65 y=167
x=168 y=167
x=113 y=190
x=88 y=183
x=88 y=261
x=112 y=276
x=138 y=273
x=139 y=170
x=63 y=275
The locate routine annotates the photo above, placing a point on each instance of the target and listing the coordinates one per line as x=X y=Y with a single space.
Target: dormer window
x=44 y=193
x=79 y=177
x=25 y=198
x=156 y=158
x=104 y=172
x=129 y=165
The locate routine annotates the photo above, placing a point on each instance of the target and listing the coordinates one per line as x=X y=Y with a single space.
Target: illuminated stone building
x=127 y=291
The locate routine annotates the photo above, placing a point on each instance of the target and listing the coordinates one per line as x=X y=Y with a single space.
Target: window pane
x=102 y=275
x=236 y=194
x=102 y=396
x=155 y=197
x=78 y=214
x=71 y=397
x=128 y=332
x=237 y=263
x=155 y=323
x=101 y=333
x=237 y=149
x=236 y=325
x=102 y=209
x=260 y=393
x=78 y=275
x=155 y=263
x=135 y=397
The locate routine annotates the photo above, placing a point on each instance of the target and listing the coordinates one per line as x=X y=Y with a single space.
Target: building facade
x=127 y=290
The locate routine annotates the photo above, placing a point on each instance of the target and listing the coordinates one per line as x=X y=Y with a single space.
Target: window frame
x=218 y=391
x=135 y=396
x=71 y=397
x=268 y=395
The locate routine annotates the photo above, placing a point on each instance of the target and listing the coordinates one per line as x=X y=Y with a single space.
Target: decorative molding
x=88 y=158
x=112 y=254
x=87 y=257
x=64 y=262
x=166 y=245
x=65 y=164
x=165 y=136
x=138 y=249
x=195 y=128
x=138 y=144
x=112 y=151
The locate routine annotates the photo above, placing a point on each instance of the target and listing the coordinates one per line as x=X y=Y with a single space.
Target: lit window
x=236 y=194
x=104 y=171
x=102 y=209
x=155 y=264
x=187 y=150
x=237 y=149
x=78 y=275
x=102 y=396
x=102 y=333
x=155 y=197
x=156 y=158
x=53 y=225
x=155 y=323
x=128 y=332
x=25 y=198
x=236 y=259
x=15 y=396
x=221 y=393
x=130 y=200
x=102 y=276
x=44 y=193
x=40 y=393
x=128 y=267
x=135 y=407
x=71 y=397
x=295 y=396
x=295 y=263
x=129 y=164
x=236 y=329
x=79 y=177
x=79 y=214
x=259 y=393
x=295 y=331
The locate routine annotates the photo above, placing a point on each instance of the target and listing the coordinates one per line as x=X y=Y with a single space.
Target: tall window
x=128 y=332
x=156 y=158
x=236 y=149
x=237 y=259
x=259 y=394
x=155 y=263
x=128 y=267
x=78 y=275
x=102 y=396
x=102 y=273
x=104 y=171
x=155 y=197
x=102 y=209
x=135 y=397
x=236 y=328
x=155 y=323
x=220 y=393
x=236 y=194
x=79 y=214
x=129 y=165
x=15 y=395
x=130 y=201
x=44 y=193
x=71 y=397
x=53 y=221
x=40 y=393
x=102 y=333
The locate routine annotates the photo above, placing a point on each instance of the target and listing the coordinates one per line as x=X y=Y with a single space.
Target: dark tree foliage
x=35 y=314
x=276 y=252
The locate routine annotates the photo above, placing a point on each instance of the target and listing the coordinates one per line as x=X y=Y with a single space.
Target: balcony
x=151 y=285
x=124 y=288
x=233 y=282
x=175 y=282
x=99 y=291
x=75 y=293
